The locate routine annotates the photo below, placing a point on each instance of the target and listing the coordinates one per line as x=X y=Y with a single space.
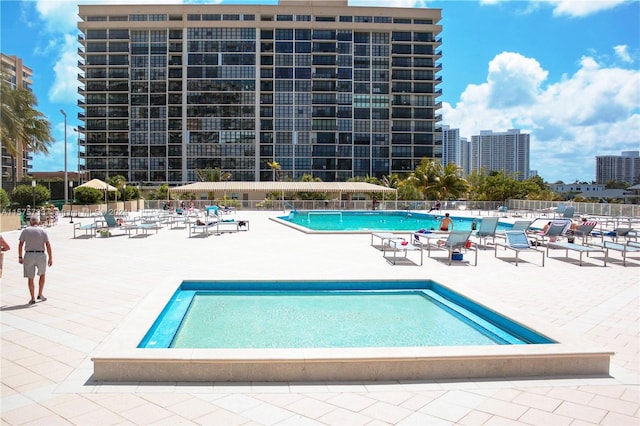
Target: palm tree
x=311 y=195
x=451 y=184
x=118 y=181
x=275 y=168
x=213 y=175
x=426 y=177
x=392 y=181
x=22 y=126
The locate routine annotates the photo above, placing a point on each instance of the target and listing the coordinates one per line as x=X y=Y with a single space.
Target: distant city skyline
x=565 y=72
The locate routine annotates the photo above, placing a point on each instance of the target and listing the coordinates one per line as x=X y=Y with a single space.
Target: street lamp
x=72 y=197
x=33 y=194
x=66 y=176
x=124 y=196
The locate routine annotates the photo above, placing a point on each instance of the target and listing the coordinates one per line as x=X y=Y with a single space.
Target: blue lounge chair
x=518 y=242
x=584 y=231
x=456 y=241
x=569 y=212
x=579 y=248
x=106 y=224
x=89 y=229
x=559 y=210
x=556 y=229
x=487 y=229
x=518 y=225
x=624 y=249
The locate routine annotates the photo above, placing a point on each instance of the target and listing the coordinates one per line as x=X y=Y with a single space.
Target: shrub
x=88 y=195
x=4 y=199
x=24 y=195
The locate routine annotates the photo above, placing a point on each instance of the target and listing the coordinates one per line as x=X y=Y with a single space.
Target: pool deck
x=95 y=286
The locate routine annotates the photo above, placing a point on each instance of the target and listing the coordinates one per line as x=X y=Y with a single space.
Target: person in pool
x=446 y=222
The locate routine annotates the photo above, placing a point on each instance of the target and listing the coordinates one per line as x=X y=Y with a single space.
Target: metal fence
x=528 y=206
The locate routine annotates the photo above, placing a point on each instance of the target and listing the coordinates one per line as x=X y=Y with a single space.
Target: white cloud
x=571 y=8
x=65 y=83
x=622 y=51
x=59 y=16
x=387 y=3
x=581 y=8
x=592 y=112
x=522 y=90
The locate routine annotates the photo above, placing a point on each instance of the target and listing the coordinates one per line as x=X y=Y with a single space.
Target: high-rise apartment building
x=18 y=76
x=501 y=151
x=622 y=168
x=456 y=149
x=321 y=88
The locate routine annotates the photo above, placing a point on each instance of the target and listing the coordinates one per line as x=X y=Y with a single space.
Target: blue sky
x=565 y=71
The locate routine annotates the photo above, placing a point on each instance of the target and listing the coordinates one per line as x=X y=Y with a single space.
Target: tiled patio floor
x=95 y=284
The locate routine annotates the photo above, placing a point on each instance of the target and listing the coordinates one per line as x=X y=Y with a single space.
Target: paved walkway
x=95 y=284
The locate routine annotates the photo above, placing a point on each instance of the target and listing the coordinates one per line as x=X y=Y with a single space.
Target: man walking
x=35 y=240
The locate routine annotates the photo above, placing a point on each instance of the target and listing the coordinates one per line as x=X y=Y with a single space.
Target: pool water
x=320 y=314
x=330 y=220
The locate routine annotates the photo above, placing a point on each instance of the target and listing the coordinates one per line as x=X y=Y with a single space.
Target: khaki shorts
x=32 y=261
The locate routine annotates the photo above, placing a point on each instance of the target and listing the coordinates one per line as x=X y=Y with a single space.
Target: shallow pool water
x=332 y=314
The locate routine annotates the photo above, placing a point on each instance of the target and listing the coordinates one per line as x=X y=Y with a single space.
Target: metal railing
x=529 y=207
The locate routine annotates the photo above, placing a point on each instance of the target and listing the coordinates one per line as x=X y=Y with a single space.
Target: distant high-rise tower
x=18 y=76
x=622 y=168
x=497 y=151
x=319 y=87
x=456 y=149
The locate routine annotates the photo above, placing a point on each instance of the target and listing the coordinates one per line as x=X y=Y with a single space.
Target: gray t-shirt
x=34 y=238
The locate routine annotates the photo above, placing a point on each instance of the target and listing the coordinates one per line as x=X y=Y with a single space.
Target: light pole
x=80 y=181
x=66 y=175
x=72 y=197
x=124 y=196
x=33 y=194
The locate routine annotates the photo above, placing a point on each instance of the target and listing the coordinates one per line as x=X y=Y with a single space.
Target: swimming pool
x=372 y=221
x=318 y=314
x=121 y=358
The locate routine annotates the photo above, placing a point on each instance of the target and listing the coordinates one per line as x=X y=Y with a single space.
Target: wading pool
x=345 y=347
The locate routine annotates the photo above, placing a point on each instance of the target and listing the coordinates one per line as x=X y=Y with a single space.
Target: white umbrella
x=98 y=184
